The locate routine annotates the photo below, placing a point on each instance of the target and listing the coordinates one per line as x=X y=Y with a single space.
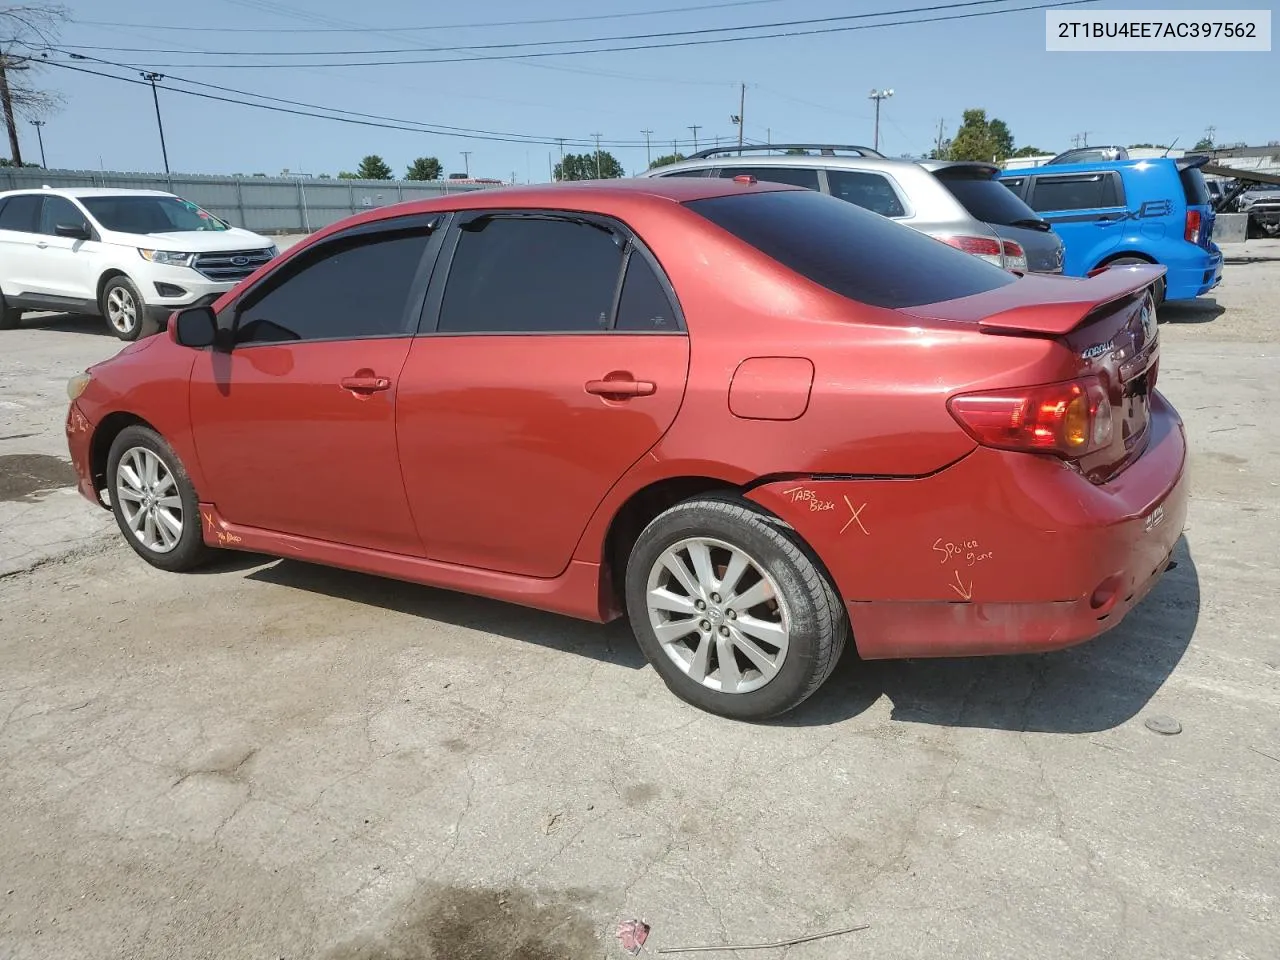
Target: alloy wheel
x=718 y=615
x=147 y=492
x=122 y=309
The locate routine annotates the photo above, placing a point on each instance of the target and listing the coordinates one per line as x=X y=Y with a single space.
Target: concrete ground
x=271 y=759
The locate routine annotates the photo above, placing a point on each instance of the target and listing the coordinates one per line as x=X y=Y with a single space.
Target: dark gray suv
x=960 y=203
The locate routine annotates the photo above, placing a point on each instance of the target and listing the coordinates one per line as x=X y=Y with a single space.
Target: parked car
x=1129 y=212
x=1089 y=155
x=748 y=416
x=960 y=203
x=130 y=256
x=1262 y=204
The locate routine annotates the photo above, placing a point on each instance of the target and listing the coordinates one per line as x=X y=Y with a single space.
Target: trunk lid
x=1107 y=325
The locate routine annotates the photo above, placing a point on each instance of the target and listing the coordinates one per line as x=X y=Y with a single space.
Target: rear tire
x=1159 y=288
x=125 y=311
x=154 y=501
x=731 y=610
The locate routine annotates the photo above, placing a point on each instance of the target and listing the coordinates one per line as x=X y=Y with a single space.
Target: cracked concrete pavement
x=272 y=759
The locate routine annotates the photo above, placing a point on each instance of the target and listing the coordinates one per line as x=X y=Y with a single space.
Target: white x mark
x=855 y=518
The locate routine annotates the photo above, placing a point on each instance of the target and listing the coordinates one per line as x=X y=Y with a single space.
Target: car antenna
x=1170 y=146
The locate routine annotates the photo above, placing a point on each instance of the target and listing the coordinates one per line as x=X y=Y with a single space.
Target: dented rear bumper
x=998 y=553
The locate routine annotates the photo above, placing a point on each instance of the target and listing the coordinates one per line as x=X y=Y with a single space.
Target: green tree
x=373 y=167
x=1204 y=143
x=981 y=139
x=348 y=175
x=797 y=152
x=666 y=160
x=589 y=166
x=323 y=176
x=424 y=168
x=1029 y=151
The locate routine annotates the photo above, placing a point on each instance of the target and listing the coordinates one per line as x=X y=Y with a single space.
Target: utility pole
x=1081 y=139
x=877 y=96
x=695 y=128
x=40 y=136
x=648 y=152
x=740 y=117
x=466 y=161
x=1209 y=132
x=942 y=132
x=7 y=101
x=597 y=136
x=153 y=78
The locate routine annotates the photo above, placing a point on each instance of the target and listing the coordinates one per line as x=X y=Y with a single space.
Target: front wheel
x=125 y=310
x=730 y=609
x=154 y=501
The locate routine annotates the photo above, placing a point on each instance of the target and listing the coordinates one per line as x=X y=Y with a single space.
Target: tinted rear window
x=987 y=200
x=1193 y=186
x=851 y=251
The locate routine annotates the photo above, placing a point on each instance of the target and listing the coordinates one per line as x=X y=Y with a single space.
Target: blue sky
x=800 y=88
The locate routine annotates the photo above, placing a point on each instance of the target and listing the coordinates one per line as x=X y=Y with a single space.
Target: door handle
x=42 y=245
x=622 y=388
x=365 y=384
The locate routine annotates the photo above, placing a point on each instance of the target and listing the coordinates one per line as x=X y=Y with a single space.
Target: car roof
x=88 y=192
x=786 y=160
x=1140 y=163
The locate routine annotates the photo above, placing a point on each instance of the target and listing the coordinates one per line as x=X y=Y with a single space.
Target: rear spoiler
x=1057 y=317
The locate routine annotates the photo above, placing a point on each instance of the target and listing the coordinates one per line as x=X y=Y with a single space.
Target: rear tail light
x=1015 y=258
x=1068 y=419
x=1193 y=226
x=985 y=248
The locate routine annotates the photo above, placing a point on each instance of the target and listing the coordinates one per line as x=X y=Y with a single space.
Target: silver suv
x=961 y=203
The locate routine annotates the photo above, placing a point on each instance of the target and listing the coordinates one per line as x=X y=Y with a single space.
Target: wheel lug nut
x=715 y=598
x=724 y=631
x=700 y=604
x=704 y=625
x=731 y=614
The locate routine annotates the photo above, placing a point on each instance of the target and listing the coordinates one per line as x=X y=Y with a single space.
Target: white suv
x=131 y=256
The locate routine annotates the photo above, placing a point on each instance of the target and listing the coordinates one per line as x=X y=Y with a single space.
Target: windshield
x=851 y=251
x=134 y=214
x=987 y=200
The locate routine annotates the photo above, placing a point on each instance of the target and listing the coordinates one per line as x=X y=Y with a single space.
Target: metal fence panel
x=260 y=204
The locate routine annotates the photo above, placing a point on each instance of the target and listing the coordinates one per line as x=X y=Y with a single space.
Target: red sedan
x=754 y=419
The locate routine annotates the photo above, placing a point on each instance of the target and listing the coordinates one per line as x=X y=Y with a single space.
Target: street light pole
x=153 y=78
x=877 y=96
x=40 y=136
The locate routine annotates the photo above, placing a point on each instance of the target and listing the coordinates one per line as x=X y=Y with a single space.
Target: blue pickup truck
x=1129 y=211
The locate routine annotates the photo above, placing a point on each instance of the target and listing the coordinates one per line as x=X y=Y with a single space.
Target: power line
x=511 y=45
x=434 y=26
x=652 y=46
x=364 y=120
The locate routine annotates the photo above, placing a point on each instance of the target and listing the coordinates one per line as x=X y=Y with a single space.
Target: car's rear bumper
x=1194 y=276
x=998 y=553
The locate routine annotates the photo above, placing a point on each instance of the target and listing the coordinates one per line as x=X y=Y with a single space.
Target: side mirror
x=196 y=327
x=75 y=231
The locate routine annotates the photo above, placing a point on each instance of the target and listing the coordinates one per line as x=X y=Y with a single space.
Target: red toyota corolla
x=752 y=418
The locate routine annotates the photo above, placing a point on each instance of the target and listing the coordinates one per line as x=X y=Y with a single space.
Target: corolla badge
x=1097 y=350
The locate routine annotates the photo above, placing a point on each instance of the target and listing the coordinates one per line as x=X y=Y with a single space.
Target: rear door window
x=986 y=199
x=796 y=176
x=531 y=274
x=851 y=251
x=20 y=213
x=1077 y=191
x=871 y=191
